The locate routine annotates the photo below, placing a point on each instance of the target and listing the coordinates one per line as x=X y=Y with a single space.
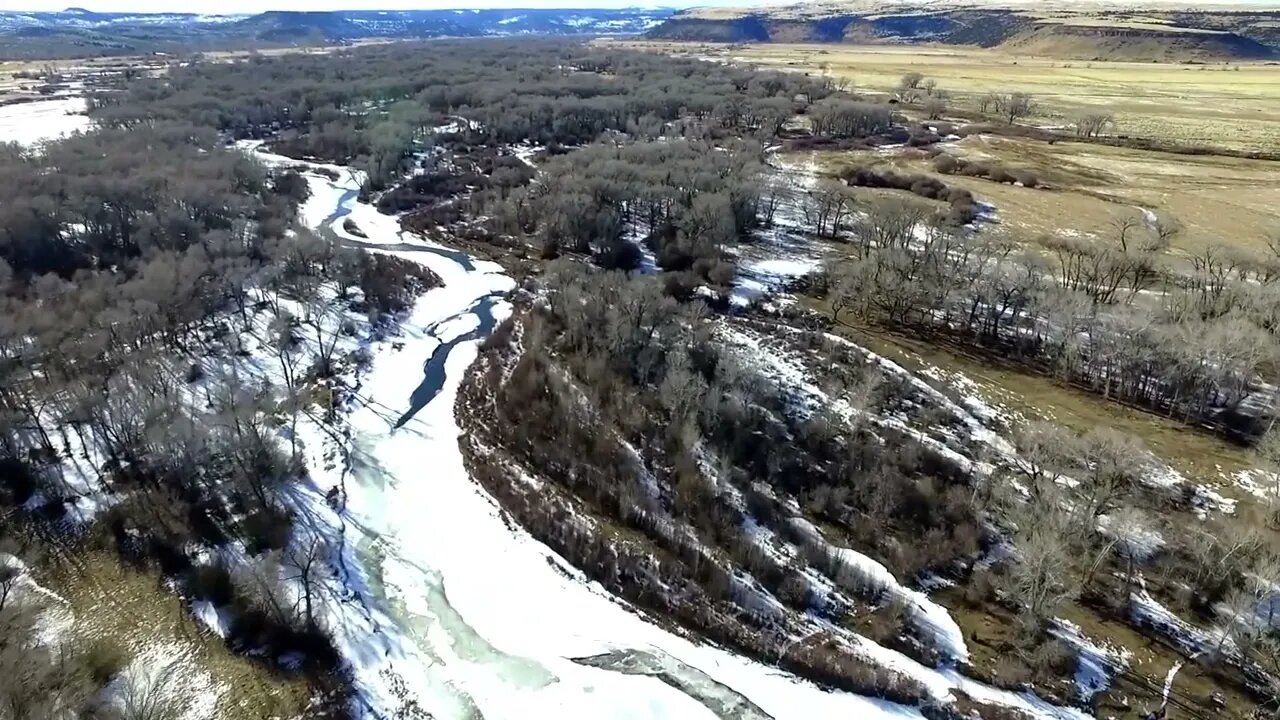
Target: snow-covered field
x=36 y=122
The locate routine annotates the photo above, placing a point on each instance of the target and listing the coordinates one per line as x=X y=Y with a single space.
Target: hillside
x=1083 y=32
x=80 y=33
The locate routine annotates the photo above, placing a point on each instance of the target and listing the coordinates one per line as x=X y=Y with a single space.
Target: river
x=446 y=602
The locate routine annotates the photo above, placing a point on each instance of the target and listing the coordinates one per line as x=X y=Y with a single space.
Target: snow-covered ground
x=164 y=676
x=36 y=122
x=1096 y=663
x=785 y=251
x=930 y=618
x=1148 y=612
x=475 y=616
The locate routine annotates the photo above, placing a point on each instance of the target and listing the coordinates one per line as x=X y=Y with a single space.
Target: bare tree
x=152 y=693
x=263 y=581
x=827 y=206
x=1014 y=106
x=1040 y=579
x=935 y=108
x=1093 y=124
x=288 y=353
x=305 y=562
x=1267 y=453
x=325 y=318
x=910 y=87
x=1109 y=465
x=1044 y=456
x=9 y=577
x=1130 y=541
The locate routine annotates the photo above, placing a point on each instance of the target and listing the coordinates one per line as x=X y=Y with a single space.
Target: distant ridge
x=80 y=32
x=1165 y=31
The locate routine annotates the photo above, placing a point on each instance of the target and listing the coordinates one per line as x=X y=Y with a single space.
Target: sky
x=223 y=7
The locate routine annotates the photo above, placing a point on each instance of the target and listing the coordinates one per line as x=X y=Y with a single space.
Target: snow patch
x=930 y=618
x=165 y=675
x=37 y=122
x=1096 y=662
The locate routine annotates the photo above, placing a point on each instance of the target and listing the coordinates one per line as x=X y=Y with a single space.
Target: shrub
x=981 y=589
x=350 y=226
x=923 y=139
x=794 y=591
x=680 y=284
x=1026 y=178
x=1000 y=175
x=1010 y=673
x=716 y=271
x=962 y=213
x=103 y=658
x=928 y=187
x=210 y=582
x=267 y=529
x=1052 y=660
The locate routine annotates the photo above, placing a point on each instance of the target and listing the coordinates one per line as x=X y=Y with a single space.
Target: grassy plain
x=1218 y=200
x=1233 y=105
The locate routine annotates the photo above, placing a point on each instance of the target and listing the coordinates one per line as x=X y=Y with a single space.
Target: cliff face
x=1183 y=36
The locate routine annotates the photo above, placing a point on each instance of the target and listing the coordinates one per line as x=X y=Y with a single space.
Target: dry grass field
x=1233 y=106
x=135 y=608
x=1218 y=200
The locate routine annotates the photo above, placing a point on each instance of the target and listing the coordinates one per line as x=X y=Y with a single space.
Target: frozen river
x=475 y=617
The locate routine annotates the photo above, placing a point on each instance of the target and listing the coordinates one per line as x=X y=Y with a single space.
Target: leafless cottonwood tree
x=1093 y=124
x=827 y=206
x=1014 y=106
x=152 y=693
x=910 y=87
x=1041 y=577
x=306 y=562
x=288 y=352
x=263 y=582
x=1132 y=528
x=988 y=102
